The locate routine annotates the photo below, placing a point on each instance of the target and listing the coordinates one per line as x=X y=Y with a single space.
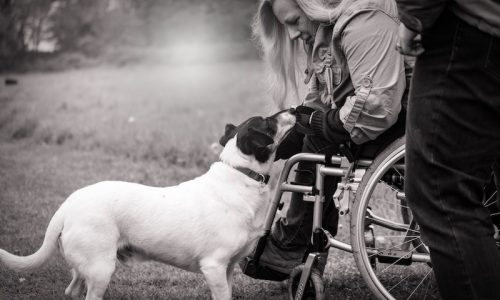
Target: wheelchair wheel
x=314 y=288
x=491 y=201
x=391 y=257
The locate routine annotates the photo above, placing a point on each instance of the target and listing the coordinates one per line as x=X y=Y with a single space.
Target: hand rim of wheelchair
x=409 y=252
x=375 y=169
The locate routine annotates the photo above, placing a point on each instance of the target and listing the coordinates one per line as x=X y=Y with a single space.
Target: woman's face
x=294 y=19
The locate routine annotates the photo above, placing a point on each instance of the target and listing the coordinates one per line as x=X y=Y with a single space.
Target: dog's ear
x=256 y=143
x=229 y=133
x=260 y=138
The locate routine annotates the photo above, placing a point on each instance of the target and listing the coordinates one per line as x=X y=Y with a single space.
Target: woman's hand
x=303 y=114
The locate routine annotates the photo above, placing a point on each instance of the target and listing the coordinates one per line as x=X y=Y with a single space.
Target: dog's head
x=259 y=137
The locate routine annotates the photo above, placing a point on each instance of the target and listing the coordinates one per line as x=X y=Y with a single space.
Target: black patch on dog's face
x=254 y=136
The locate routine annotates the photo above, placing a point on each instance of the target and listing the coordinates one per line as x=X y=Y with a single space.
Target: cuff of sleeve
x=410 y=21
x=317 y=119
x=329 y=126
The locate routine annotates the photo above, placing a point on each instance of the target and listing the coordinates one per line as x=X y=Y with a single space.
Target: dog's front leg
x=216 y=276
x=230 y=276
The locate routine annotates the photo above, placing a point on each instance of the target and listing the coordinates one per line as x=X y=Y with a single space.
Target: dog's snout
x=292 y=110
x=287 y=118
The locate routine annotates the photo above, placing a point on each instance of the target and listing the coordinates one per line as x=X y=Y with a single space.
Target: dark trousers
x=453 y=139
x=294 y=231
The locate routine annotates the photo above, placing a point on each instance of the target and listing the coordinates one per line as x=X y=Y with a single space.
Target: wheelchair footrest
x=394 y=256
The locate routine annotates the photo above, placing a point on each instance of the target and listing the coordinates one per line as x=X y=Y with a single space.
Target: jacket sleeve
x=328 y=125
x=420 y=15
x=377 y=74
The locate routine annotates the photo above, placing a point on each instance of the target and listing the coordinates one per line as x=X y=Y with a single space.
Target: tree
x=23 y=25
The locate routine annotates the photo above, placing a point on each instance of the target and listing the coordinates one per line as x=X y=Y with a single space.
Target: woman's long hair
x=281 y=54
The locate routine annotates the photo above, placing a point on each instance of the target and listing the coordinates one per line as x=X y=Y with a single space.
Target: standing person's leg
x=453 y=137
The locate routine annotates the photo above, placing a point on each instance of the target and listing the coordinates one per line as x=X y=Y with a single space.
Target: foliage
x=95 y=26
x=23 y=23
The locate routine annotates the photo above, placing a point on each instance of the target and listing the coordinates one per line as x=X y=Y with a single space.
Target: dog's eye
x=271 y=127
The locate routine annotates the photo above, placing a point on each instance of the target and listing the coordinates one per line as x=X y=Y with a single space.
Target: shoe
x=275 y=263
x=258 y=271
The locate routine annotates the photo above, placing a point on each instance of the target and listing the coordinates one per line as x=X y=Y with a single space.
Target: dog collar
x=264 y=179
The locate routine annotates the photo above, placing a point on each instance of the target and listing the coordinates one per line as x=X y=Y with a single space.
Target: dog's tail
x=39 y=258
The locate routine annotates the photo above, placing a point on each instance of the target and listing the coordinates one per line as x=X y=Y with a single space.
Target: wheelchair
x=384 y=238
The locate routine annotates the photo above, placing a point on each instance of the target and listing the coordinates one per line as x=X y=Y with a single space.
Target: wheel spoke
x=492 y=197
x=402 y=280
x=397 y=171
x=422 y=281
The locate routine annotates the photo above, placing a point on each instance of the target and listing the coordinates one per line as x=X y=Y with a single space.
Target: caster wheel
x=314 y=288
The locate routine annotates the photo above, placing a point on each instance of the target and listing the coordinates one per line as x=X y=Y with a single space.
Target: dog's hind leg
x=97 y=277
x=216 y=276
x=75 y=288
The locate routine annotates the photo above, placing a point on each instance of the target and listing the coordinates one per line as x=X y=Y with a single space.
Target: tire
x=315 y=288
x=379 y=197
x=389 y=280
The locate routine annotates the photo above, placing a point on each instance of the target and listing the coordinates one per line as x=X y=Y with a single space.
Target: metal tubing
x=415 y=257
x=318 y=158
x=421 y=257
x=331 y=171
x=286 y=187
x=339 y=245
x=364 y=162
x=304 y=277
x=273 y=206
x=389 y=224
x=385 y=222
x=318 y=202
x=314 y=157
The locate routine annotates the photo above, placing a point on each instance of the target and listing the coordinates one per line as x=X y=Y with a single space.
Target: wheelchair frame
x=352 y=173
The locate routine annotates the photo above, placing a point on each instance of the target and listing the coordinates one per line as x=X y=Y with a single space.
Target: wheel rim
x=389 y=276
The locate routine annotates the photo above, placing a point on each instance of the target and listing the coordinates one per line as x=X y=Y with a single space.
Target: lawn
x=152 y=124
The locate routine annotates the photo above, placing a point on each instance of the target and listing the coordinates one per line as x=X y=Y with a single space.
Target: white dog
x=204 y=225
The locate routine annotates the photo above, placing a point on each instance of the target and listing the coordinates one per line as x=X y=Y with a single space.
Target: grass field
x=150 y=124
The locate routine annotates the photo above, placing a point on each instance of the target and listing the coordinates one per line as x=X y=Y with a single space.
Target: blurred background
x=132 y=90
x=80 y=32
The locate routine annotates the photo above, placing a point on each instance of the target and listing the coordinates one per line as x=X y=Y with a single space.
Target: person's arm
x=419 y=15
x=377 y=74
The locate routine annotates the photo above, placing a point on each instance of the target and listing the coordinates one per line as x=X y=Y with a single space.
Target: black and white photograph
x=250 y=149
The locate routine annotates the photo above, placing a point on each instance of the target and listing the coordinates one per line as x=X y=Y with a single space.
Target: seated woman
x=356 y=81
